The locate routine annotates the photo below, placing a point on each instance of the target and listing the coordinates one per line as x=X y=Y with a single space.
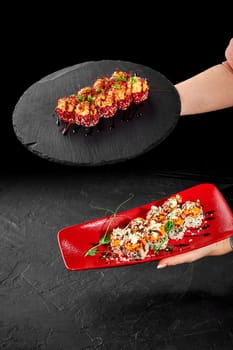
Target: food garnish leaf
x=163 y=240
x=92 y=251
x=132 y=80
x=169 y=225
x=104 y=240
x=116 y=86
x=120 y=79
x=99 y=90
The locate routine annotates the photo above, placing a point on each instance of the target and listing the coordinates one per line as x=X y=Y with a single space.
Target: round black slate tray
x=152 y=121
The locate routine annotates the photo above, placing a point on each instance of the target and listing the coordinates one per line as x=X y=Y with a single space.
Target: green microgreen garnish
x=92 y=251
x=116 y=86
x=105 y=239
x=80 y=98
x=99 y=90
x=120 y=79
x=168 y=227
x=132 y=80
x=89 y=98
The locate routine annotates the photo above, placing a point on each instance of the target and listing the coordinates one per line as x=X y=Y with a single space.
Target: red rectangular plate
x=75 y=240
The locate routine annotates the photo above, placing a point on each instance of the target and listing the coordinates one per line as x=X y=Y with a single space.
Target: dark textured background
x=45 y=306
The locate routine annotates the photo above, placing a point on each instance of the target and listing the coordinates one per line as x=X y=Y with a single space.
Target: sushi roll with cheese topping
x=139 y=89
x=86 y=114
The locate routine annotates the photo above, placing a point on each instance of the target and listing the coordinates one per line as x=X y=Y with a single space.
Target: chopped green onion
x=132 y=80
x=120 y=79
x=116 y=86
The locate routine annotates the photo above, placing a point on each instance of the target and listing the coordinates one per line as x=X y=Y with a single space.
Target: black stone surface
x=146 y=127
x=45 y=306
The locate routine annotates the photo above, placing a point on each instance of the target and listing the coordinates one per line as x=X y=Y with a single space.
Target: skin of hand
x=215 y=249
x=207 y=91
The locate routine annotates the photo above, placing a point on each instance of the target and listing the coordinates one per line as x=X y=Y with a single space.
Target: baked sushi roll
x=119 y=84
x=86 y=114
x=101 y=84
x=104 y=97
x=139 y=89
x=65 y=109
x=105 y=103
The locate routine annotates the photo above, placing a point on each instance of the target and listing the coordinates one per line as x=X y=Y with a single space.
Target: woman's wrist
x=208 y=91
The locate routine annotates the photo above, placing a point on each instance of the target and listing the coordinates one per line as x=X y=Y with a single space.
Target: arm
x=220 y=248
x=208 y=91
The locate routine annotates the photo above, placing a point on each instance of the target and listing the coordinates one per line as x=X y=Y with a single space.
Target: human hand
x=219 y=248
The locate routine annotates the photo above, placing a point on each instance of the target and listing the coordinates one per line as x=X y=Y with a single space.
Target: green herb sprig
x=168 y=227
x=105 y=239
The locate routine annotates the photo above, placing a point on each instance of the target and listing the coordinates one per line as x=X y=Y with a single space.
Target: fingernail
x=161 y=266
